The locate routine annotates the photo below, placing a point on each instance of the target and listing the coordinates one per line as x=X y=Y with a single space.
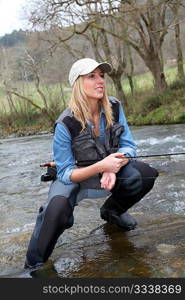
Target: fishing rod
x=48 y=164
x=51 y=170
x=84 y=162
x=157 y=155
x=53 y=164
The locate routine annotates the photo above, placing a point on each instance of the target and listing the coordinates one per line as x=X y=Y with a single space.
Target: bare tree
x=44 y=106
x=6 y=64
x=176 y=6
x=147 y=25
x=93 y=20
x=148 y=28
x=109 y=48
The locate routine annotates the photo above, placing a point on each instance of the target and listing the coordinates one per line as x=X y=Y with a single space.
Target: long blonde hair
x=80 y=108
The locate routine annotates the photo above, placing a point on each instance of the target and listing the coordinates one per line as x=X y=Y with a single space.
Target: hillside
x=12 y=39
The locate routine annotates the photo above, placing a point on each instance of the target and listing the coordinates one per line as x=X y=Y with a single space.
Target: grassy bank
x=18 y=117
x=167 y=108
x=148 y=108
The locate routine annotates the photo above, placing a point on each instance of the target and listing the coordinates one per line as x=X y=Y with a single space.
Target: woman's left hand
x=108 y=180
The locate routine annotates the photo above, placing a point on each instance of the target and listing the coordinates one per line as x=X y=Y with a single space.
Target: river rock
x=154 y=249
x=166 y=248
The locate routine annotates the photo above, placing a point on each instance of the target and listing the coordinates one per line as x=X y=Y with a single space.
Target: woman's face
x=94 y=84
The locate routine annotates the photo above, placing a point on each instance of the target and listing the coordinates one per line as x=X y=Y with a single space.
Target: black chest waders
x=133 y=182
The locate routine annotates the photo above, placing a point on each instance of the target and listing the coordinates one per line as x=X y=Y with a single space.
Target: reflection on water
x=22 y=193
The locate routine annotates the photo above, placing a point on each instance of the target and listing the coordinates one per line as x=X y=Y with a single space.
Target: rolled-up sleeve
x=127 y=144
x=62 y=153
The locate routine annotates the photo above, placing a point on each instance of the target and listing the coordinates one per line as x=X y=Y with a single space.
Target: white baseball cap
x=85 y=66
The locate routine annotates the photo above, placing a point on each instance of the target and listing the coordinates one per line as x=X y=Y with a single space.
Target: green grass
x=144 y=82
x=144 y=108
x=52 y=93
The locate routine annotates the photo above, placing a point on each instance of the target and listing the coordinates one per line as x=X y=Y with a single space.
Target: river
x=92 y=248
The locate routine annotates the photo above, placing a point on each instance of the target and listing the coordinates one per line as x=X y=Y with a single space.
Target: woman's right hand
x=108 y=180
x=113 y=162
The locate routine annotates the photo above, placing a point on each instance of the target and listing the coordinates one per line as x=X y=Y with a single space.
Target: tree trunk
x=131 y=73
x=119 y=90
x=180 y=69
x=157 y=70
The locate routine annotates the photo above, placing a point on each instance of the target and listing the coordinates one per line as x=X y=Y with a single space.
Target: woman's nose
x=101 y=79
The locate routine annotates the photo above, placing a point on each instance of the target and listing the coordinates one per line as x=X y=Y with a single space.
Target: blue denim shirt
x=62 y=151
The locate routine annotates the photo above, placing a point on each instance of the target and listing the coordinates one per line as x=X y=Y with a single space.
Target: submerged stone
x=155 y=249
x=166 y=248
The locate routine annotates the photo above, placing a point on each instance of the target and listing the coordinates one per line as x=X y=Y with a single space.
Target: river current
x=22 y=193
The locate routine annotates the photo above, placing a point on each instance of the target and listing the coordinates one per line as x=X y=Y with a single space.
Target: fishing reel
x=51 y=172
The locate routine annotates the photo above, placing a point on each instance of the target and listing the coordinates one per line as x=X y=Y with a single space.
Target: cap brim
x=104 y=66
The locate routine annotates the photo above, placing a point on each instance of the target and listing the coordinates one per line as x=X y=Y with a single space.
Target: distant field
x=53 y=92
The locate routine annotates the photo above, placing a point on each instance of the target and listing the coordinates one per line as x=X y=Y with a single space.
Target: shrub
x=177 y=84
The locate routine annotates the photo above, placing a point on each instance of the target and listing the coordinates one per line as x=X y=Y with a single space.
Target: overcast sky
x=10 y=15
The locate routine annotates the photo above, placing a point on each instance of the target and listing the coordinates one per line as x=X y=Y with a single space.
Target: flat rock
x=155 y=249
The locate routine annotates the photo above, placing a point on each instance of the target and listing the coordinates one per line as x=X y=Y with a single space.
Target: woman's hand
x=113 y=162
x=110 y=164
x=108 y=180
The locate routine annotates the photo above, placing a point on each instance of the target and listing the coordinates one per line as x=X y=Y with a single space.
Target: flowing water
x=92 y=248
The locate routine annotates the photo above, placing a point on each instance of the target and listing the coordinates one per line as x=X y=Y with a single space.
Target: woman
x=92 y=147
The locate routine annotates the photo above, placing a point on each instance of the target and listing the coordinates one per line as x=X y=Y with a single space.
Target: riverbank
x=148 y=108
x=11 y=132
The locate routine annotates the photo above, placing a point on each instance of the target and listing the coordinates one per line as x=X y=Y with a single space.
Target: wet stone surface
x=155 y=249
